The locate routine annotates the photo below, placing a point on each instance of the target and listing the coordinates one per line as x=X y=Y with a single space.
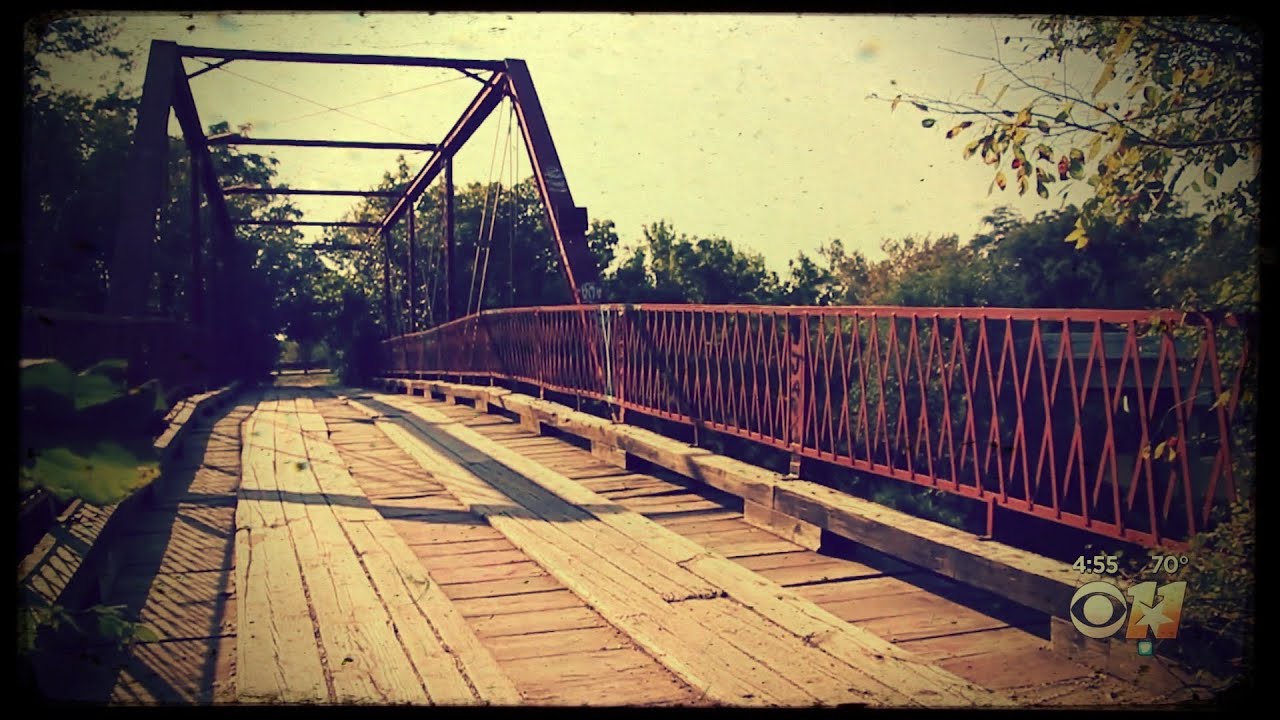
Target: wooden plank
x=586 y=668
x=422 y=532
x=923 y=683
x=797 y=558
x=470 y=560
x=503 y=588
x=670 y=581
x=366 y=661
x=486 y=573
x=528 y=602
x=274 y=631
x=872 y=584
x=442 y=550
x=698 y=523
x=806 y=535
x=1030 y=579
x=663 y=518
x=690 y=556
x=691 y=652
x=1003 y=670
x=817 y=672
x=833 y=569
x=561 y=642
x=957 y=646
x=645 y=505
x=422 y=612
x=536 y=622
x=446 y=683
x=889 y=670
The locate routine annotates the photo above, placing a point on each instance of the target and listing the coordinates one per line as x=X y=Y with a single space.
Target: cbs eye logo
x=1099 y=609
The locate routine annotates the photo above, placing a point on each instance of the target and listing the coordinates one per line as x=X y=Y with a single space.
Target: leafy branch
x=1188 y=105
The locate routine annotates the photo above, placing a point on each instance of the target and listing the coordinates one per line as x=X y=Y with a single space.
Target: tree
x=1036 y=269
x=666 y=267
x=1186 y=110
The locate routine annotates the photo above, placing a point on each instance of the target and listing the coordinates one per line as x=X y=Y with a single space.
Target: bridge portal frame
x=167 y=88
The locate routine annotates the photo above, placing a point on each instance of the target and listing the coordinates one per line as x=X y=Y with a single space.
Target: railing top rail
x=1136 y=315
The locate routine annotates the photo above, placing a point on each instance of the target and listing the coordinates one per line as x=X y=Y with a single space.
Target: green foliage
x=1186 y=111
x=97 y=623
x=666 y=267
x=87 y=435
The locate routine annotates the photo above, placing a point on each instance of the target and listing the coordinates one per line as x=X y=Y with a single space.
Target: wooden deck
x=366 y=548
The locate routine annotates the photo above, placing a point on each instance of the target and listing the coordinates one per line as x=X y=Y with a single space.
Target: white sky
x=754 y=127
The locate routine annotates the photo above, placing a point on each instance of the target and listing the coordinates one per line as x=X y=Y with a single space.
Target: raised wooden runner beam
x=364 y=657
x=447 y=653
x=927 y=684
x=877 y=675
x=1038 y=582
x=278 y=659
x=697 y=656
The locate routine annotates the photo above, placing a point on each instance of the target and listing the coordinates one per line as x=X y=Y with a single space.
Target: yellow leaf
x=1124 y=400
x=1078 y=236
x=1108 y=72
x=1022 y=182
x=1000 y=180
x=1223 y=399
x=981 y=81
x=1124 y=40
x=894 y=105
x=1172 y=454
x=1094 y=147
x=1132 y=156
x=1023 y=118
x=1160 y=450
x=1145 y=454
x=999 y=95
x=956 y=130
x=1178 y=76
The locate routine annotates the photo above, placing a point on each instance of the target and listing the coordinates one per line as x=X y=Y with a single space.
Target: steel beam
x=209 y=67
x=197 y=245
x=331 y=247
x=230 y=259
x=338 y=58
x=292 y=191
x=413 y=291
x=234 y=139
x=568 y=222
x=305 y=223
x=386 y=282
x=483 y=104
x=142 y=197
x=448 y=239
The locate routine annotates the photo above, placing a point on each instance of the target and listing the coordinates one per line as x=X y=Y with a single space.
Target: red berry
x=1016 y=163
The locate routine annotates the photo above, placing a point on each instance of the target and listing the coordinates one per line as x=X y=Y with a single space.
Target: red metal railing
x=1120 y=422
x=174 y=352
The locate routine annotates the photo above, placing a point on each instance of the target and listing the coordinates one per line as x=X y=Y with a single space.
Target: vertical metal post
x=386 y=283
x=141 y=197
x=197 y=247
x=413 y=292
x=448 y=239
x=796 y=361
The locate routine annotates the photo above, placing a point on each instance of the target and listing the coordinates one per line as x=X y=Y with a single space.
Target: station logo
x=1099 y=610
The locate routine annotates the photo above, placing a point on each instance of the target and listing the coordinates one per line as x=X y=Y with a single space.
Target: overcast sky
x=757 y=128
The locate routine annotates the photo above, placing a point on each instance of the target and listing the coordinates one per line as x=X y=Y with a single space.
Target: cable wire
x=313 y=102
